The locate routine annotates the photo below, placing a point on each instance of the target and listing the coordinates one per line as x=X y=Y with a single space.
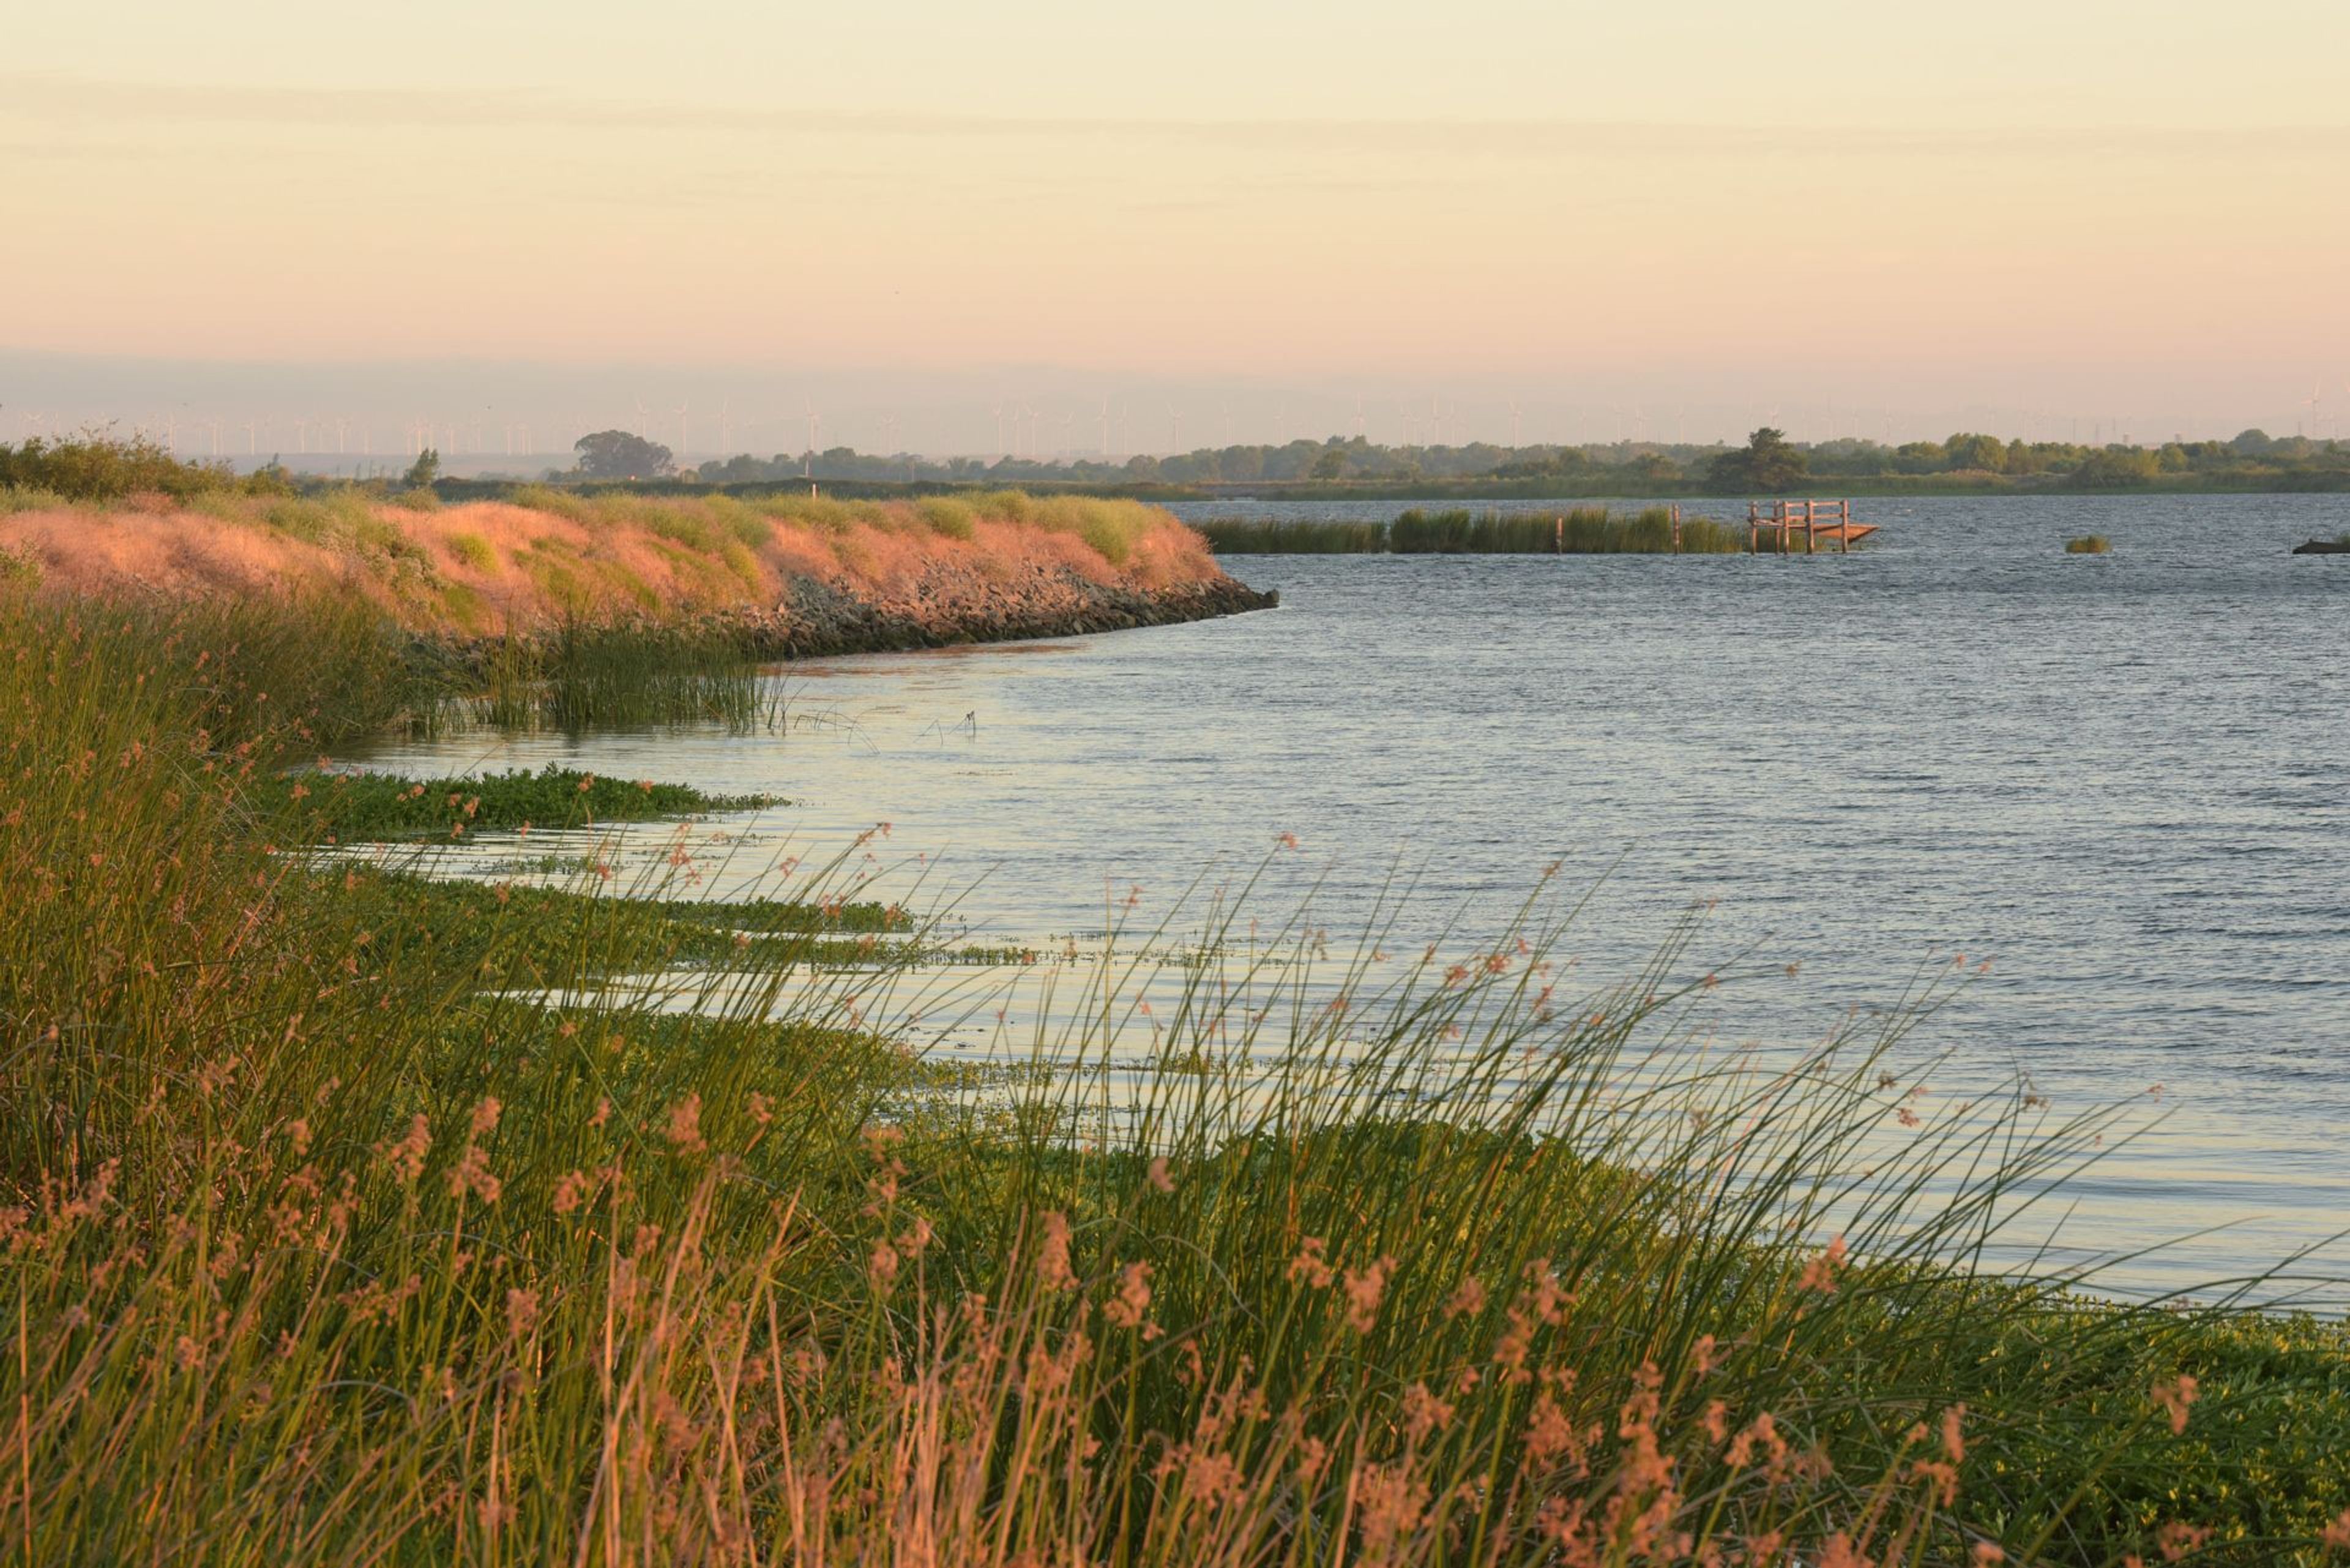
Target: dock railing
x=1786 y=518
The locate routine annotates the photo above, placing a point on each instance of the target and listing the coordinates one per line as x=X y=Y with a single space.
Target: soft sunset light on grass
x=353 y=1219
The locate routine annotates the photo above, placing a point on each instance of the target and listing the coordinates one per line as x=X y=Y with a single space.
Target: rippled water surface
x=2125 y=778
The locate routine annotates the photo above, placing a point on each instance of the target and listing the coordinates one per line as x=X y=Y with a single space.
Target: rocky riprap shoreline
x=947 y=604
x=956 y=604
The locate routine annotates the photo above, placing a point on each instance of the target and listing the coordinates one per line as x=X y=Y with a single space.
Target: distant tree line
x=98 y=466
x=1768 y=463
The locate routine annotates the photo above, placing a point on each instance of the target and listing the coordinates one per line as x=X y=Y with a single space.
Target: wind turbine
x=1514 y=425
x=1104 y=428
x=2313 y=403
x=682 y=409
x=807 y=462
x=1174 y=431
x=725 y=427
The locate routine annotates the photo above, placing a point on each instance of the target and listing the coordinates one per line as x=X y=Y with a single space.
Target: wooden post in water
x=1558 y=536
x=1784 y=519
x=1677 y=529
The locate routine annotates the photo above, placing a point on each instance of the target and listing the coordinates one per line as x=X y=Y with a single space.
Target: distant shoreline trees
x=1768 y=463
x=98 y=465
x=620 y=454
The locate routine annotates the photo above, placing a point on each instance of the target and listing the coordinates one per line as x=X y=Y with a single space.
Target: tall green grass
x=1271 y=536
x=334 y=1231
x=582 y=675
x=1584 y=531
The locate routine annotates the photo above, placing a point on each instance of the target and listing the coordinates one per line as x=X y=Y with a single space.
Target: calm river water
x=2125 y=779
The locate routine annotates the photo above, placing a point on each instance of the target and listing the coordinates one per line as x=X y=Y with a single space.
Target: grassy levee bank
x=349 y=1219
x=1584 y=531
x=548 y=577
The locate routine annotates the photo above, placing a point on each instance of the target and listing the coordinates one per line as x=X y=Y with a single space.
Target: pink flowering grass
x=323 y=1245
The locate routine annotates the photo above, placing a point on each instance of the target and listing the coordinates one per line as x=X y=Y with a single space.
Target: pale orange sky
x=2085 y=210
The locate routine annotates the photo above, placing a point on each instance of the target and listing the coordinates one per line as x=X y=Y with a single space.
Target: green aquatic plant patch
x=354 y=805
x=516 y=933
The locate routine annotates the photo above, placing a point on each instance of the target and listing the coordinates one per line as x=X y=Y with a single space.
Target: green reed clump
x=352 y=1218
x=1457 y=532
x=373 y=805
x=1585 y=531
x=1271 y=536
x=946 y=515
x=2088 y=545
x=582 y=674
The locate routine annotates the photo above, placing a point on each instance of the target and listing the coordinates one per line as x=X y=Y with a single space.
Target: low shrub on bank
x=349 y=1217
x=97 y=466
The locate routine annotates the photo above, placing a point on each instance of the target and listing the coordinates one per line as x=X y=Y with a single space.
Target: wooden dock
x=1815 y=519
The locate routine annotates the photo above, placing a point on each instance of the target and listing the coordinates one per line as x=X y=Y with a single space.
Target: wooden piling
x=1785 y=518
